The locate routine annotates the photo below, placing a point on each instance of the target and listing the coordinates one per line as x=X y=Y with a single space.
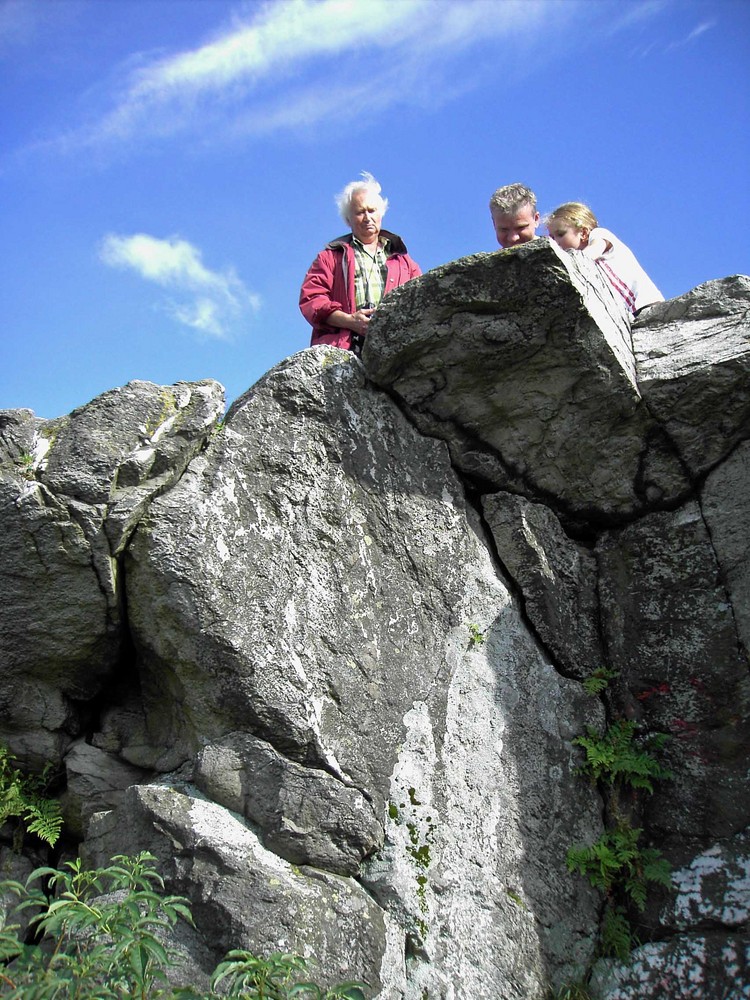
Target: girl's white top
x=625 y=274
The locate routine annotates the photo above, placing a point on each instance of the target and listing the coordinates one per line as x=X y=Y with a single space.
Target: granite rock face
x=325 y=657
x=71 y=492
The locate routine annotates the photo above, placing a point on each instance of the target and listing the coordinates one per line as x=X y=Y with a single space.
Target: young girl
x=573 y=226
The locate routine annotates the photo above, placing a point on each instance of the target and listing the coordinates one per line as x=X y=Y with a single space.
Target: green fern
x=616 y=864
x=615 y=759
x=617 y=937
x=617 y=861
x=599 y=680
x=24 y=797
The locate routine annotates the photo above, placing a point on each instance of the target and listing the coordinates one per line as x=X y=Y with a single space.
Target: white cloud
x=284 y=53
x=657 y=46
x=212 y=301
x=697 y=31
x=292 y=64
x=203 y=314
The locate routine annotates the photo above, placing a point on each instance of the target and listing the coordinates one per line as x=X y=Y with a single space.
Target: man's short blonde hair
x=509 y=200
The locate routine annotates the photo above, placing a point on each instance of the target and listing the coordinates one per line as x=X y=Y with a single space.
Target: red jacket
x=329 y=285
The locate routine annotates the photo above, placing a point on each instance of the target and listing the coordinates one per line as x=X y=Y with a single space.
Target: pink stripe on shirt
x=619 y=285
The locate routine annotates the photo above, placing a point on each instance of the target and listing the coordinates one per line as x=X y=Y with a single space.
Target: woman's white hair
x=344 y=197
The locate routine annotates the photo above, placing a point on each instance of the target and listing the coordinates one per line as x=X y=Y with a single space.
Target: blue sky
x=168 y=167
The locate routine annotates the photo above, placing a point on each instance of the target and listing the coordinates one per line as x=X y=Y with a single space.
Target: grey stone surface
x=304 y=814
x=725 y=505
x=557 y=577
x=59 y=634
x=668 y=622
x=349 y=651
x=483 y=894
x=240 y=892
x=333 y=539
x=96 y=782
x=688 y=967
x=712 y=889
x=21 y=440
x=670 y=631
x=692 y=362
x=325 y=661
x=128 y=435
x=71 y=491
x=500 y=355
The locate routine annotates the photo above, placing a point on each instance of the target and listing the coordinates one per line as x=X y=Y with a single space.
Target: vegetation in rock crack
x=100 y=935
x=615 y=758
x=24 y=797
x=618 y=860
x=599 y=681
x=573 y=991
x=168 y=409
x=617 y=936
x=476 y=636
x=618 y=864
x=26 y=463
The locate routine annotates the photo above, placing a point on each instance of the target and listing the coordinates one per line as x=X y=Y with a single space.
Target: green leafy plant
x=617 y=864
x=100 y=936
x=615 y=758
x=276 y=978
x=572 y=991
x=24 y=797
x=476 y=636
x=99 y=932
x=616 y=859
x=599 y=681
x=617 y=936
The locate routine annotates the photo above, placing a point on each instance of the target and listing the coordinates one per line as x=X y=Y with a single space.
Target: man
x=352 y=273
x=514 y=214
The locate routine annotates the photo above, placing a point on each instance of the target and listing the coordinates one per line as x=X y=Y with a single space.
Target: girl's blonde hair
x=576 y=214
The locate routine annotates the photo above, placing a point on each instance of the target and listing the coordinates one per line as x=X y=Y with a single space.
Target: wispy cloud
x=294 y=64
x=697 y=31
x=211 y=302
x=658 y=46
x=281 y=65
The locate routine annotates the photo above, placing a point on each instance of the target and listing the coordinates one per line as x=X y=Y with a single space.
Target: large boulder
x=328 y=659
x=71 y=491
x=322 y=644
x=303 y=814
x=241 y=893
x=693 y=361
x=516 y=360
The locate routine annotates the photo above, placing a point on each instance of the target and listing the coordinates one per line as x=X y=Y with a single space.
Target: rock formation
x=324 y=657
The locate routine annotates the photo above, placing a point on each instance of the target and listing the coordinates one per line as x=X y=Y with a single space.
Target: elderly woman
x=352 y=273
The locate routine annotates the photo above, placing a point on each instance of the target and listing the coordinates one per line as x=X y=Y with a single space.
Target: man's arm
x=316 y=300
x=357 y=321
